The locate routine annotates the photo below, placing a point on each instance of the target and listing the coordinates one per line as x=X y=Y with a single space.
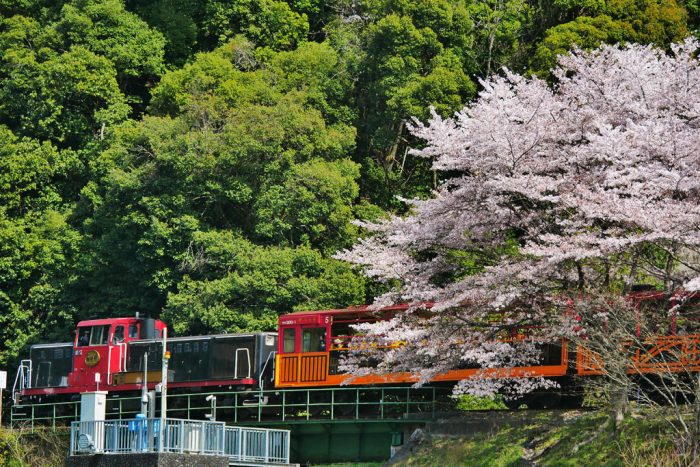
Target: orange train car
x=310 y=344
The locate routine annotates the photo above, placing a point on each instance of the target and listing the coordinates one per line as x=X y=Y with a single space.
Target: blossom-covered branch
x=590 y=184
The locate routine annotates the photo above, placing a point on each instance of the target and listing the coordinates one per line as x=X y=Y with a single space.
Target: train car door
x=116 y=358
x=303 y=345
x=314 y=353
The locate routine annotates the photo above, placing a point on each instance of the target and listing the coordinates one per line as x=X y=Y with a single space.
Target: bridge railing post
x=381 y=405
x=357 y=404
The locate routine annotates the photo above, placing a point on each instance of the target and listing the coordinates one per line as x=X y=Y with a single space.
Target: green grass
x=585 y=439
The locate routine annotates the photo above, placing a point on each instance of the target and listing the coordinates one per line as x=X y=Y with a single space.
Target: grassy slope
x=584 y=439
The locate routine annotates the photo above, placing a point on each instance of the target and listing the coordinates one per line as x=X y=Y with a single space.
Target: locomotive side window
x=133 y=331
x=313 y=340
x=118 y=335
x=99 y=335
x=290 y=335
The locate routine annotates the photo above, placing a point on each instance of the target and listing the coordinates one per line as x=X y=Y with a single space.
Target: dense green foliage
x=201 y=160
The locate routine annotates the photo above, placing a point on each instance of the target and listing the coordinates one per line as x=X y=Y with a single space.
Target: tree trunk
x=619 y=407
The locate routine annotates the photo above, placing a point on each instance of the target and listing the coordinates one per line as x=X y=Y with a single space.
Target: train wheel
x=514 y=404
x=572 y=401
x=545 y=400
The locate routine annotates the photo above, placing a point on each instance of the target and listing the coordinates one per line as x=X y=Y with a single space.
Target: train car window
x=57 y=354
x=195 y=347
x=133 y=331
x=205 y=346
x=654 y=317
x=313 y=340
x=83 y=337
x=99 y=335
x=689 y=317
x=118 y=336
x=188 y=347
x=290 y=335
x=178 y=348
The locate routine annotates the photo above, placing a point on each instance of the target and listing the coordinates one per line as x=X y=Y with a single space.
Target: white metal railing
x=23 y=378
x=142 y=435
x=239 y=444
x=257 y=445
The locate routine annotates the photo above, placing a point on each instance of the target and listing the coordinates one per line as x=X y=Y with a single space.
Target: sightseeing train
x=120 y=355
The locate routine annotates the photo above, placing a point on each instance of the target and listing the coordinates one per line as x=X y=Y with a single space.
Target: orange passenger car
x=311 y=343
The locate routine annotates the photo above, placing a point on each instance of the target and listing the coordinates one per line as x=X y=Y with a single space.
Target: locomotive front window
x=290 y=335
x=83 y=337
x=313 y=340
x=99 y=335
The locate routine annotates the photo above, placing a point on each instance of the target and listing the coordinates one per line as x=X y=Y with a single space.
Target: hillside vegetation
x=202 y=160
x=561 y=439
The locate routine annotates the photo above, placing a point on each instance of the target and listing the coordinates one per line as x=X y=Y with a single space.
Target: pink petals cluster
x=557 y=187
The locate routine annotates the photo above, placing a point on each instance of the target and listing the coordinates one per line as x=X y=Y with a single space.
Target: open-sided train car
x=311 y=344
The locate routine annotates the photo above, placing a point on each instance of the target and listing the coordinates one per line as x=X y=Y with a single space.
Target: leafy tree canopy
x=36 y=241
x=642 y=21
x=70 y=78
x=253 y=149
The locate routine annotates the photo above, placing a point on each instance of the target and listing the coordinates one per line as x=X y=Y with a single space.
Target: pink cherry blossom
x=580 y=185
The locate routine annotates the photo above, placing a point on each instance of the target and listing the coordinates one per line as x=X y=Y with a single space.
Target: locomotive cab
x=100 y=349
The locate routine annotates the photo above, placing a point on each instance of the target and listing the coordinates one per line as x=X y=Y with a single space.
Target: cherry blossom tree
x=589 y=185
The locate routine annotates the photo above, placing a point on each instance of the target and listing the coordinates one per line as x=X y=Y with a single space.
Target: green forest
x=202 y=160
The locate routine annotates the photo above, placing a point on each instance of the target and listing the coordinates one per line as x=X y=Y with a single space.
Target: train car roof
x=105 y=321
x=207 y=336
x=637 y=295
x=54 y=344
x=358 y=309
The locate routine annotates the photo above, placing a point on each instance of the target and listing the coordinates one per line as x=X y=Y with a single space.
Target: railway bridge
x=327 y=424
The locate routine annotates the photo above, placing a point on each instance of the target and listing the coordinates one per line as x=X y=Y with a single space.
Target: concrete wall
x=146 y=460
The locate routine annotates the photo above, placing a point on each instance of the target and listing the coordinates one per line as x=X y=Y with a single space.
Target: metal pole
x=163 y=391
x=144 y=386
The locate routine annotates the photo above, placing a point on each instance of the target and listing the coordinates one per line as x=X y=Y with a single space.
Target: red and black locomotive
x=119 y=354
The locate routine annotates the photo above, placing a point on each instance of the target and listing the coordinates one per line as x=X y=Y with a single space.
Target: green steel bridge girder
x=399 y=404
x=349 y=441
